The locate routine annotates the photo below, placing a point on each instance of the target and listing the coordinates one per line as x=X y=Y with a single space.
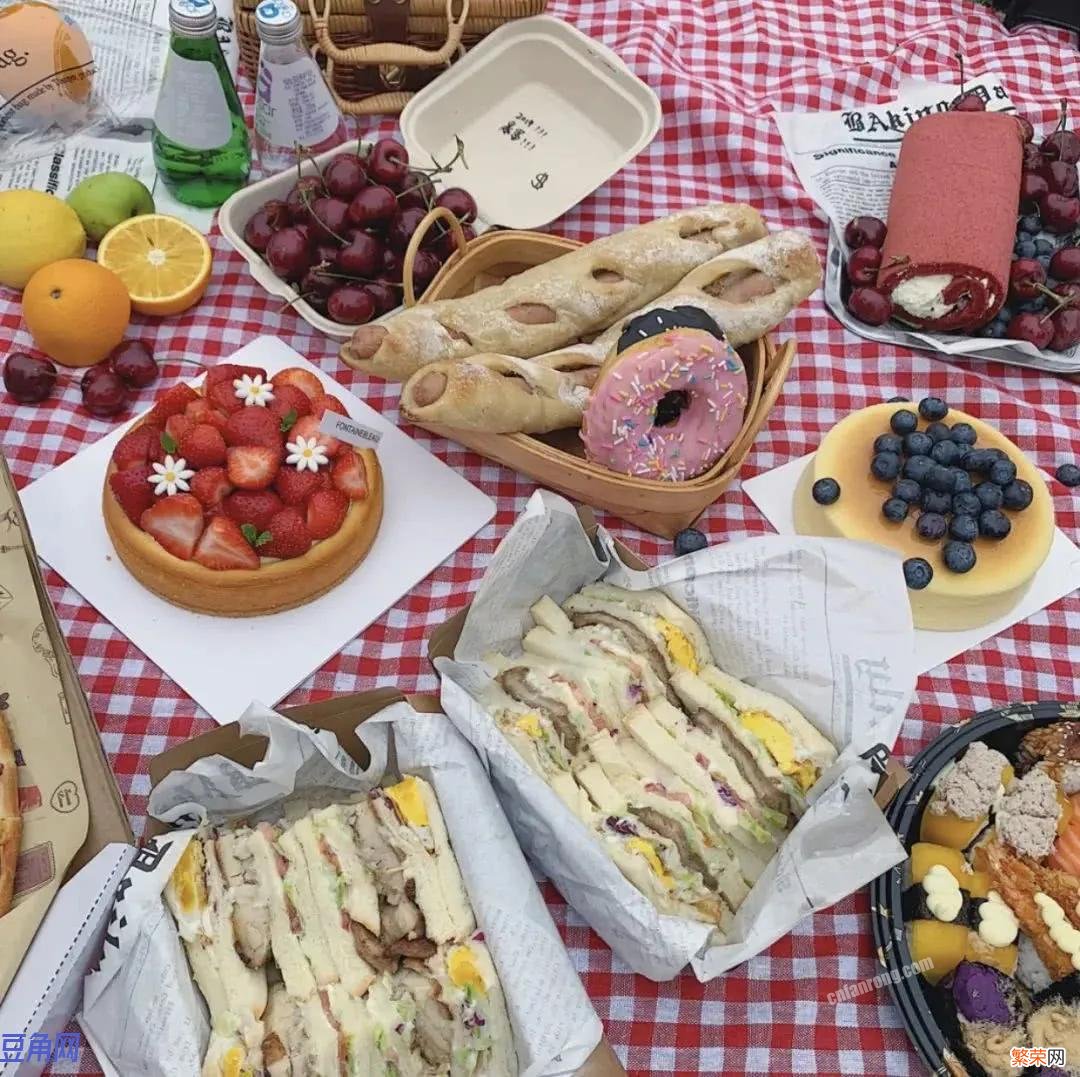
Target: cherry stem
x=440 y=169
x=302 y=155
x=361 y=280
x=1064 y=115
x=960 y=58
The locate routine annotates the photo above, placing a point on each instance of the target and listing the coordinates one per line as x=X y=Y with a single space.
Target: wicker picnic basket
x=377 y=53
x=557 y=460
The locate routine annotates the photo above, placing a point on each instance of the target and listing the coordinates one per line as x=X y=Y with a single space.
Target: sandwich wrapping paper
x=826 y=624
x=141 y=1005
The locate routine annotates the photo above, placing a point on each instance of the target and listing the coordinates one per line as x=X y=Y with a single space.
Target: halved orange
x=164 y=262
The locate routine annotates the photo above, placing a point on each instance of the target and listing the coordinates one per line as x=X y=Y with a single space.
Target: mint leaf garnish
x=255 y=537
x=288 y=420
x=168 y=442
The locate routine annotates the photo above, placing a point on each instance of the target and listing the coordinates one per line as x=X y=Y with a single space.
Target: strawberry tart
x=228 y=499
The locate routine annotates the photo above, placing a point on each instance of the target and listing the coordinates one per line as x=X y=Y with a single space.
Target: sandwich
x=251 y=912
x=201 y=900
x=303 y=1038
x=775 y=748
x=392 y=1012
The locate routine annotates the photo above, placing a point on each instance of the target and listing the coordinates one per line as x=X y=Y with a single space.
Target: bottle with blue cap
x=295 y=112
x=201 y=145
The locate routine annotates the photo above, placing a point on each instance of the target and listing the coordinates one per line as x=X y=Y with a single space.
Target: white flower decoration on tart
x=253 y=391
x=170 y=476
x=306 y=454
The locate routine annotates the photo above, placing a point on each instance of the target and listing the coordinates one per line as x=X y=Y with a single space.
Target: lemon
x=35 y=230
x=163 y=261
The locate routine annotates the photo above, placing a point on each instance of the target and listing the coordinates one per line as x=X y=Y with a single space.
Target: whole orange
x=76 y=311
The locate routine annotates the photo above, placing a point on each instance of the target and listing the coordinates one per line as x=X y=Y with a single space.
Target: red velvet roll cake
x=952 y=220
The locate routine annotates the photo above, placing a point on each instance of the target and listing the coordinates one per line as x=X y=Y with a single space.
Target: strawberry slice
x=203 y=446
x=348 y=475
x=176 y=426
x=222 y=395
x=326 y=402
x=289 y=536
x=289 y=398
x=255 y=426
x=295 y=487
x=135 y=447
x=308 y=427
x=230 y=372
x=176 y=523
x=252 y=467
x=202 y=411
x=133 y=490
x=223 y=546
x=326 y=511
x=255 y=507
x=303 y=379
x=211 y=486
x=172 y=402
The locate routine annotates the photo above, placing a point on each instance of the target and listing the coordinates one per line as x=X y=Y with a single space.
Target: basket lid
x=546 y=116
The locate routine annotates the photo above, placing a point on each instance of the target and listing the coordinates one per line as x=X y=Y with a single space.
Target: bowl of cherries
x=329 y=237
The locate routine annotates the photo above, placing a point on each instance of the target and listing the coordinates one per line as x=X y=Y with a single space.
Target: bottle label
x=192 y=109
x=293 y=105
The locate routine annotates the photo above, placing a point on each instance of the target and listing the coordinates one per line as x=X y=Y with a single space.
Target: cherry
x=345 y=176
x=288 y=253
x=133 y=360
x=446 y=245
x=28 y=378
x=1030 y=326
x=389 y=163
x=425 y=266
x=393 y=265
x=1069 y=291
x=863 y=265
x=373 y=205
x=1062 y=145
x=1033 y=158
x=1025 y=278
x=328 y=219
x=386 y=296
x=1060 y=177
x=968 y=102
x=326 y=253
x=864 y=232
x=1065 y=264
x=351 y=304
x=93 y=372
x=317 y=283
x=362 y=257
x=459 y=202
x=105 y=394
x=1066 y=325
x=870 y=306
x=303 y=230
x=417 y=190
x=1032 y=187
x=402 y=227
x=263 y=223
x=302 y=196
x=1059 y=214
x=1027 y=132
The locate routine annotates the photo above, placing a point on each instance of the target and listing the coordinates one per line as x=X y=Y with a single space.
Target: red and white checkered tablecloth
x=720 y=67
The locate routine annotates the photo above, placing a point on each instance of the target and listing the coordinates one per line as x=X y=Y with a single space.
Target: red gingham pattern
x=720 y=67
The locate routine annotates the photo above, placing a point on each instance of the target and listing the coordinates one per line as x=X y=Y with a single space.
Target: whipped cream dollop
x=998 y=925
x=943 y=897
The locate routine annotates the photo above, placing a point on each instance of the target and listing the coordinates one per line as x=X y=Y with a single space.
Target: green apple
x=103 y=201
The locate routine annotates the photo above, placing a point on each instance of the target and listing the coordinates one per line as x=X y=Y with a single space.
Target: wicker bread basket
x=557 y=460
x=379 y=52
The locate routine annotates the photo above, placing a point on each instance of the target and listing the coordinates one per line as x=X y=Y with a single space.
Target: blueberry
x=898 y=400
x=932 y=408
x=938 y=431
x=826 y=491
x=1032 y=306
x=1068 y=475
x=888 y=443
x=1017 y=495
x=964 y=528
x=1025 y=248
x=903 y=421
x=933 y=501
x=907 y=490
x=918 y=468
x=945 y=452
x=689 y=540
x=931 y=525
x=995 y=330
x=989 y=495
x=963 y=434
x=1002 y=472
x=1031 y=224
x=961 y=480
x=1044 y=246
x=959 y=556
x=1044 y=261
x=885 y=465
x=966 y=504
x=940 y=479
x=917 y=573
x=979 y=461
x=895 y=509
x=994 y=524
x=918 y=444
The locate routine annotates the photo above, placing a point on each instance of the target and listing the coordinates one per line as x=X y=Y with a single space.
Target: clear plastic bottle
x=200 y=142
x=294 y=109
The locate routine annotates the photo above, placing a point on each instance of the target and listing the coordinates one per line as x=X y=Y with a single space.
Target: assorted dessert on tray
x=964 y=506
x=229 y=499
x=341 y=942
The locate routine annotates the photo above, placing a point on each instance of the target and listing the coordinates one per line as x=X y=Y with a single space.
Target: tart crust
x=275 y=586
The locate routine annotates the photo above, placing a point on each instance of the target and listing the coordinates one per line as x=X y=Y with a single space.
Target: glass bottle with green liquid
x=201 y=145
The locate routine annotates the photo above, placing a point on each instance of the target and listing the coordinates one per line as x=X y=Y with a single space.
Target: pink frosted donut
x=667 y=408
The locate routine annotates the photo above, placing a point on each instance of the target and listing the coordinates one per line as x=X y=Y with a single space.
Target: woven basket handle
x=439 y=213
x=383 y=54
